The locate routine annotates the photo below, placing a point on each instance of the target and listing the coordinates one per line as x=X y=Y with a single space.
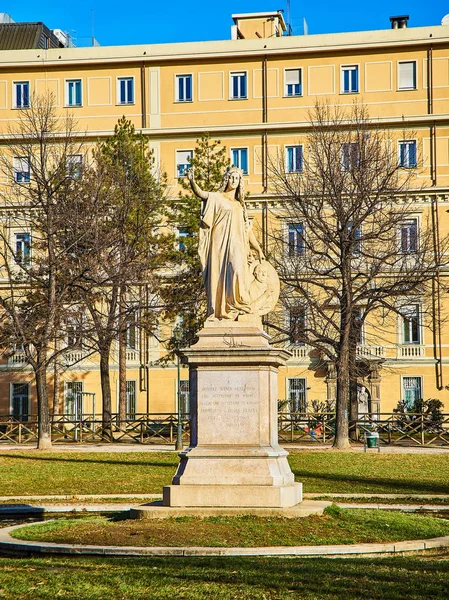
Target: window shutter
x=407 y=75
x=293 y=77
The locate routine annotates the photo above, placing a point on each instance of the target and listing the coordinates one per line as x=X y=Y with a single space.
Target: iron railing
x=416 y=429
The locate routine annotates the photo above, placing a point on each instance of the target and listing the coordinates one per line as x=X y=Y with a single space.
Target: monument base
x=242 y=496
x=234 y=459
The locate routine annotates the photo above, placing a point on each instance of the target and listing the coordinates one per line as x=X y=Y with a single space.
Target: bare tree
x=119 y=243
x=348 y=248
x=39 y=163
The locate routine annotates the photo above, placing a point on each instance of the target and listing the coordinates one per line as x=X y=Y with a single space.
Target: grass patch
x=28 y=473
x=224 y=578
x=336 y=526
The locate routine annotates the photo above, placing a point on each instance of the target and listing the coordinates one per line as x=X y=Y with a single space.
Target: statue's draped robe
x=223 y=250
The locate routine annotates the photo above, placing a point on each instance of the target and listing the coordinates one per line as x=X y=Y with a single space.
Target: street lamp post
x=178 y=445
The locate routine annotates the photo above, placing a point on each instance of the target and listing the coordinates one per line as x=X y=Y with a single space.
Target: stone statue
x=236 y=282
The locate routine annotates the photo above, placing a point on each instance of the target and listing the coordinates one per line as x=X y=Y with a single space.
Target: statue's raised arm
x=225 y=242
x=195 y=187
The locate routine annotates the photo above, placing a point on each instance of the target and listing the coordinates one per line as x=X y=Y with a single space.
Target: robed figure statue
x=225 y=242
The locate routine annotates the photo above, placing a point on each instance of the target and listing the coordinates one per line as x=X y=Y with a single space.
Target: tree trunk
x=106 y=393
x=43 y=413
x=122 y=358
x=341 y=439
x=353 y=398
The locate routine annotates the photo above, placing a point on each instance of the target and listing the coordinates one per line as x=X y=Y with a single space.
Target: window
x=183 y=158
x=22 y=169
x=183 y=233
x=297 y=395
x=411 y=333
x=355 y=238
x=358 y=319
x=296 y=245
x=350 y=156
x=409 y=236
x=21 y=94
x=74 y=399
x=184 y=88
x=131 y=332
x=130 y=399
x=20 y=401
x=350 y=79
x=407 y=154
x=411 y=390
x=125 y=90
x=297 y=325
x=74 y=331
x=184 y=396
x=74 y=164
x=73 y=92
x=239 y=158
x=23 y=249
x=293 y=82
x=293 y=159
x=238 y=86
x=407 y=75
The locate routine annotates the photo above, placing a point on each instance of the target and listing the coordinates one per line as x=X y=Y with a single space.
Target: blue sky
x=139 y=22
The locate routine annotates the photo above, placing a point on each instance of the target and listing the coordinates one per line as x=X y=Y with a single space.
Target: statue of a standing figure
x=224 y=247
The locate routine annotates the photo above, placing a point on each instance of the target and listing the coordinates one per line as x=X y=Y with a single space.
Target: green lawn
x=336 y=526
x=223 y=578
x=28 y=473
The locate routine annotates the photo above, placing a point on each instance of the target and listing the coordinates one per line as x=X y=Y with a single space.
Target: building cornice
x=193 y=51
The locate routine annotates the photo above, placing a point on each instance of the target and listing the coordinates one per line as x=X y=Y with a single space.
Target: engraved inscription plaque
x=228 y=410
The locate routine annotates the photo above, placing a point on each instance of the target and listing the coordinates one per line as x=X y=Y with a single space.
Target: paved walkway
x=171 y=448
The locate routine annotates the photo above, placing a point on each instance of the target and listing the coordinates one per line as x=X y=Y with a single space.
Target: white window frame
x=178 y=163
x=343 y=70
x=15 y=104
x=350 y=165
x=127 y=101
x=21 y=263
x=240 y=149
x=295 y=226
x=409 y=251
x=403 y=377
x=178 y=77
x=414 y=85
x=76 y=414
x=18 y=163
x=402 y=318
x=67 y=94
x=128 y=392
x=74 y=165
x=408 y=143
x=233 y=74
x=300 y=148
x=286 y=84
x=288 y=389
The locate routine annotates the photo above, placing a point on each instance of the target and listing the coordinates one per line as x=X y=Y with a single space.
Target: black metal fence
x=409 y=429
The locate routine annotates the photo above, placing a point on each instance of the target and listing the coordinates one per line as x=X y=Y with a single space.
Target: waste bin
x=371 y=439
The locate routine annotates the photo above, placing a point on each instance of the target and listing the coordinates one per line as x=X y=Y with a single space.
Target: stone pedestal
x=234 y=459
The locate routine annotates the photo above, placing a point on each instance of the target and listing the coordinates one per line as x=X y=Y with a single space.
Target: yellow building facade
x=254 y=93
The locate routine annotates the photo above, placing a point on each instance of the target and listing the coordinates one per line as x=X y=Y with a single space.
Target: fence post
x=423 y=440
x=20 y=433
x=324 y=428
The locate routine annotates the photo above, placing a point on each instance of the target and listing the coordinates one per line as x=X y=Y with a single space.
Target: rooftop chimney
x=399 y=22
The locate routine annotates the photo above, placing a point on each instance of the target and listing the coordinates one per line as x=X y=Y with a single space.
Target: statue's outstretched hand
x=190 y=174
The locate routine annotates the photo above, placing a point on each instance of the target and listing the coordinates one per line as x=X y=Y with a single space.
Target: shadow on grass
x=393 y=485
x=82 y=459
x=395 y=578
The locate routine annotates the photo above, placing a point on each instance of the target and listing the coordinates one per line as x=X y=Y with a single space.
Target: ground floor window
x=297 y=395
x=20 y=401
x=184 y=396
x=411 y=391
x=131 y=399
x=74 y=399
